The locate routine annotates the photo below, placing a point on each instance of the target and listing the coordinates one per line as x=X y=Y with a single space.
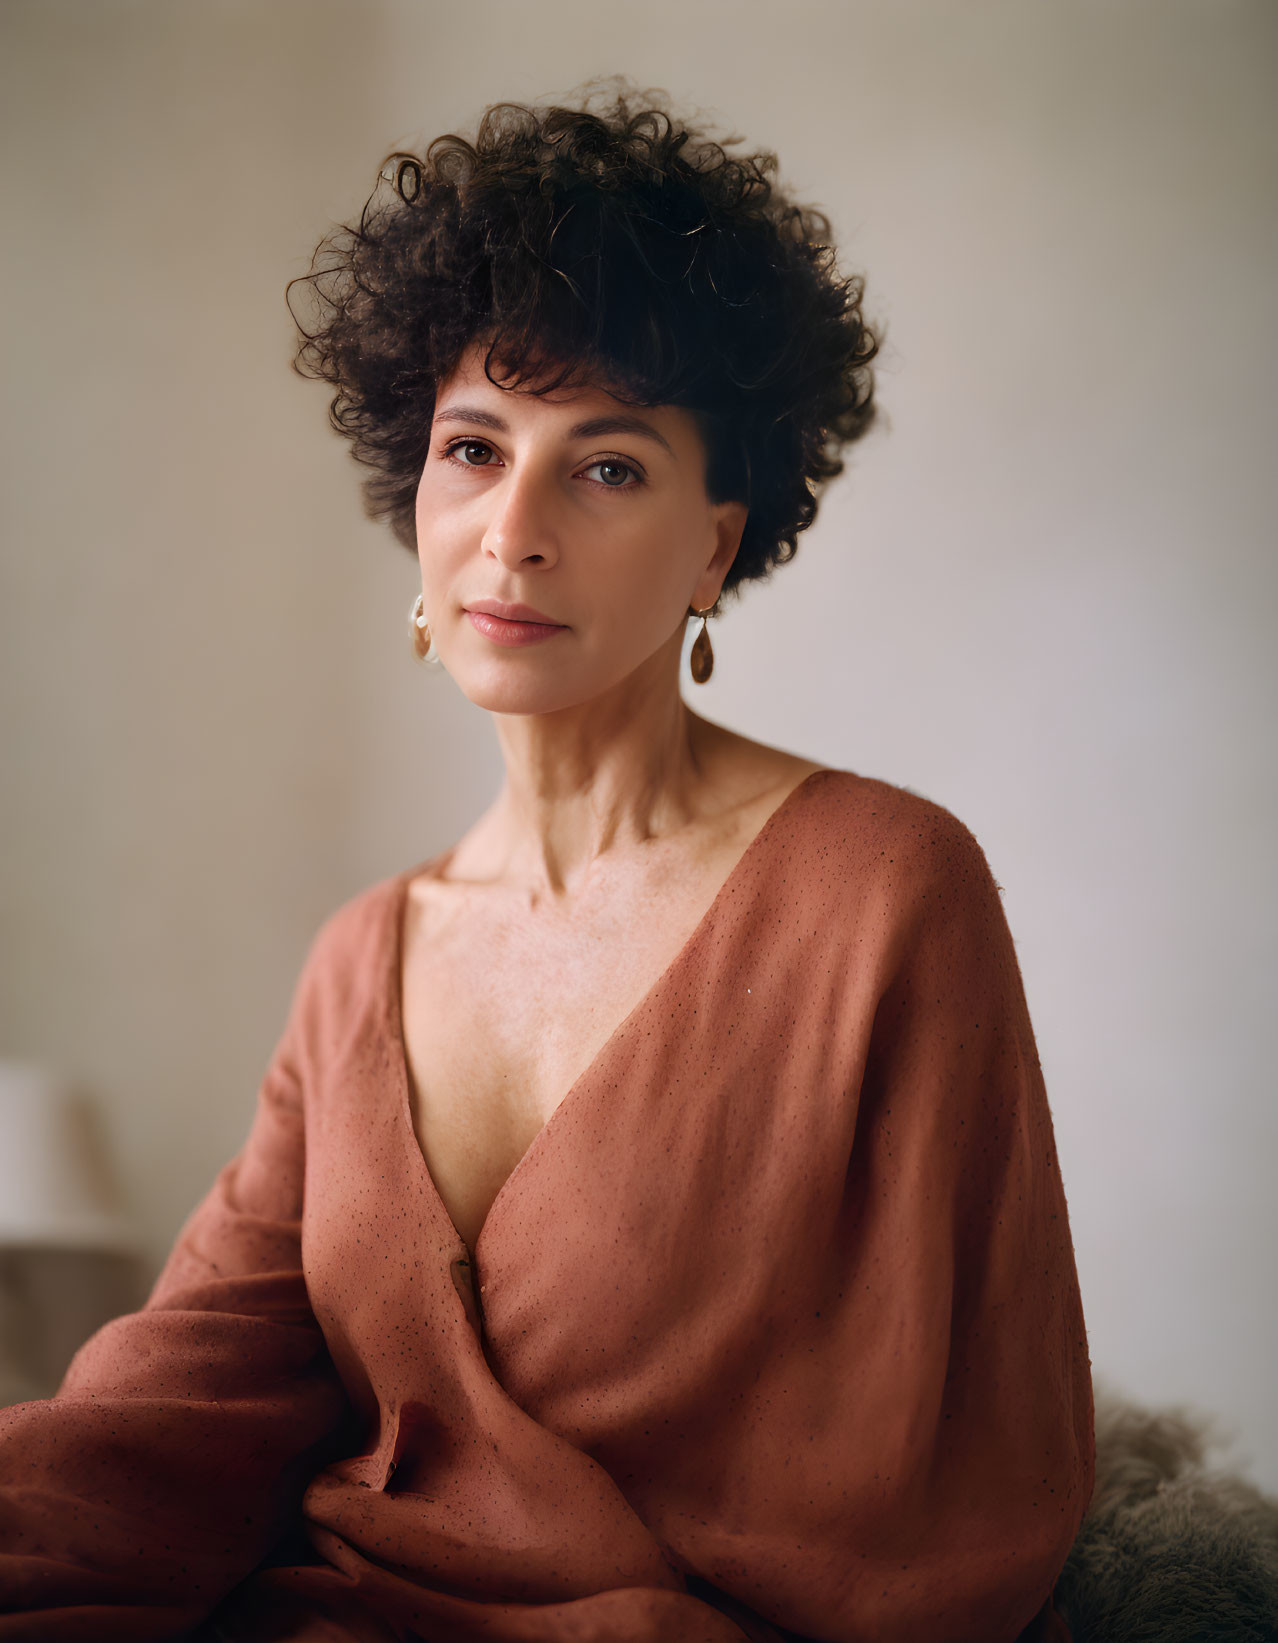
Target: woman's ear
x=729 y=522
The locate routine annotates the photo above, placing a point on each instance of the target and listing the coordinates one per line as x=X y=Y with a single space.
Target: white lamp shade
x=55 y=1188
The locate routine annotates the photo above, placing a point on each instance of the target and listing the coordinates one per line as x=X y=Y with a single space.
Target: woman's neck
x=587 y=781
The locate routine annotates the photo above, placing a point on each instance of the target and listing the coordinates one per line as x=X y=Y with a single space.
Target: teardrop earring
x=702 y=658
x=424 y=647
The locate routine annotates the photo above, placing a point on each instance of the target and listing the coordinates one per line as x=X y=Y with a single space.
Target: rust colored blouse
x=773 y=1332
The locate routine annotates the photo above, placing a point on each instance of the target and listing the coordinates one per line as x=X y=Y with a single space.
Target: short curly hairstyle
x=620 y=248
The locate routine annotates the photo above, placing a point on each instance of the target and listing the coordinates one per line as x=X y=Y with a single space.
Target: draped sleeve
x=177 y=1448
x=970 y=1441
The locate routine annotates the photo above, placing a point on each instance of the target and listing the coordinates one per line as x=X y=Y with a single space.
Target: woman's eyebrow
x=589 y=429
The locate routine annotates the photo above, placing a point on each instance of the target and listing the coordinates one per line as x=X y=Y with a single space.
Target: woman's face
x=603 y=532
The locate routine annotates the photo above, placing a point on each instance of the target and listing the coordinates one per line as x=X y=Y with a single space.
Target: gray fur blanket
x=1173 y=1549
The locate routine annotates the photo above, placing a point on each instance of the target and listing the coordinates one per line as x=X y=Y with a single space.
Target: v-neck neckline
x=393 y=1016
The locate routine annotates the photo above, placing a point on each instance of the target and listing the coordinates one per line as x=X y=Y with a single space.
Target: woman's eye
x=614 y=474
x=469 y=446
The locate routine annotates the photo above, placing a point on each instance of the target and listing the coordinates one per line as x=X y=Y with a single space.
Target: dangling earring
x=702 y=658
x=424 y=648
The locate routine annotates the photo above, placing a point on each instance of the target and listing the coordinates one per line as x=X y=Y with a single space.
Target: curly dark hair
x=621 y=248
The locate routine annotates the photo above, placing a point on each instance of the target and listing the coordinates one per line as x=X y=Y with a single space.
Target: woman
x=651 y=1226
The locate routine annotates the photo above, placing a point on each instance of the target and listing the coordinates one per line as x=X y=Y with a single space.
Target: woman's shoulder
x=895 y=826
x=841 y=809
x=901 y=869
x=353 y=950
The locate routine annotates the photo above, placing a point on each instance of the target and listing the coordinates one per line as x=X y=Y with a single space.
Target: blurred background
x=1043 y=595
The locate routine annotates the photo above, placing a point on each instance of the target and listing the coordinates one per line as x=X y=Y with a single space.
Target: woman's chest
x=504 y=1015
x=619 y=1123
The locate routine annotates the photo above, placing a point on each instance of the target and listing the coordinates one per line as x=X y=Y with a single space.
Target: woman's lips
x=504 y=632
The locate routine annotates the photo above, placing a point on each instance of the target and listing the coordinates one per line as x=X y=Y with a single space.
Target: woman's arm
x=974 y=1423
x=179 y=1444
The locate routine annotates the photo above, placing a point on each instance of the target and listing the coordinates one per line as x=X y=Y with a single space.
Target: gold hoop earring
x=424 y=647
x=702 y=658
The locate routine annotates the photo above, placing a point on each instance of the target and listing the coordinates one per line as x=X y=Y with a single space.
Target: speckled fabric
x=774 y=1331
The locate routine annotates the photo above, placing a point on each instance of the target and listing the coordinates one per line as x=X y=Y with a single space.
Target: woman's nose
x=522 y=528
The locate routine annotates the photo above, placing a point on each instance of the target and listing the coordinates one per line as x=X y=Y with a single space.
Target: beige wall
x=1043 y=596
